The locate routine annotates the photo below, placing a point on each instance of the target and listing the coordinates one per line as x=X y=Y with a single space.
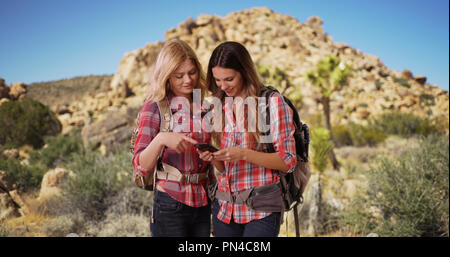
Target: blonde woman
x=180 y=208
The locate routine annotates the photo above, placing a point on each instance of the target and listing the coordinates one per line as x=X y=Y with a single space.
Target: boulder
x=18 y=90
x=11 y=153
x=114 y=128
x=407 y=74
x=420 y=79
x=53 y=181
x=315 y=22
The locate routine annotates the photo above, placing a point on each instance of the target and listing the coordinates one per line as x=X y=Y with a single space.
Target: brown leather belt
x=173 y=174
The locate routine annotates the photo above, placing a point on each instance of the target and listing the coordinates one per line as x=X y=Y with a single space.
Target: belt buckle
x=192 y=179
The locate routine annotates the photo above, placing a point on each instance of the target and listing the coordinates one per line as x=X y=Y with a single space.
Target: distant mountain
x=66 y=91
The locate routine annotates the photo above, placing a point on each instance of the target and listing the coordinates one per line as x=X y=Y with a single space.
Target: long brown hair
x=233 y=55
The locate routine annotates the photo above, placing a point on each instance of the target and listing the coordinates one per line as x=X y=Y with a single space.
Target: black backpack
x=292 y=184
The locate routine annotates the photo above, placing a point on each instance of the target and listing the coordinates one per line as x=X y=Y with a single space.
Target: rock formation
x=282 y=41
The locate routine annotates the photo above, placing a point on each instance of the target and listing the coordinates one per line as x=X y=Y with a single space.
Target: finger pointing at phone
x=176 y=141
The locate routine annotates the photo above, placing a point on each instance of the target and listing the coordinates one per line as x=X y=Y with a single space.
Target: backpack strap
x=166 y=115
x=164 y=170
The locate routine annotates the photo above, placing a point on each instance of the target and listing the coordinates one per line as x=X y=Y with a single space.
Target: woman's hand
x=232 y=154
x=179 y=142
x=206 y=156
x=209 y=157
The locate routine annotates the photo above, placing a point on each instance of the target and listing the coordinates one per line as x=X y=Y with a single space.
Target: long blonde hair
x=173 y=53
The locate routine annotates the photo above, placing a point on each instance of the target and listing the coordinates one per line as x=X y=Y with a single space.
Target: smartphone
x=206 y=147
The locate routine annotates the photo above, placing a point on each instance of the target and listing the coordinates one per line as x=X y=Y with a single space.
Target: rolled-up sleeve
x=149 y=121
x=282 y=129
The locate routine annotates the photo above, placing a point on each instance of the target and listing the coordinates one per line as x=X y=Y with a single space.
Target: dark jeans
x=266 y=227
x=175 y=219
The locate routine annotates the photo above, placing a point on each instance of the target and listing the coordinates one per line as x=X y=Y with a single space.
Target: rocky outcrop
x=15 y=91
x=112 y=129
x=134 y=70
x=18 y=90
x=282 y=41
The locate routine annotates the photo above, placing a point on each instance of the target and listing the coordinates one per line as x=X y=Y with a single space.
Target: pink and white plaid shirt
x=189 y=162
x=242 y=175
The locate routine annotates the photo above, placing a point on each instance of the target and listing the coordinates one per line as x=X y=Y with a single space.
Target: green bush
x=404 y=124
x=96 y=179
x=366 y=135
x=357 y=135
x=408 y=196
x=342 y=135
x=401 y=81
x=24 y=176
x=26 y=122
x=59 y=150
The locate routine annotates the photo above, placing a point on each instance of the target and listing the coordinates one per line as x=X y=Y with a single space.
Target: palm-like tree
x=329 y=76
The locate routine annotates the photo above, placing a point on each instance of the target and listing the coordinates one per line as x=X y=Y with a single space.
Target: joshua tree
x=329 y=76
x=320 y=148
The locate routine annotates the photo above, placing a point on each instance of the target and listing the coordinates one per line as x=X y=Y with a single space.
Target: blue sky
x=45 y=40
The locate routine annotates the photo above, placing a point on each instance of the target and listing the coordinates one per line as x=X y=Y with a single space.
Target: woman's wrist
x=244 y=154
x=159 y=140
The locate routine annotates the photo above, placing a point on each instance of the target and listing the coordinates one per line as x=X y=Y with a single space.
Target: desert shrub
x=61 y=226
x=119 y=226
x=24 y=176
x=96 y=178
x=401 y=81
x=342 y=135
x=357 y=135
x=59 y=150
x=26 y=122
x=130 y=200
x=407 y=196
x=404 y=124
x=366 y=135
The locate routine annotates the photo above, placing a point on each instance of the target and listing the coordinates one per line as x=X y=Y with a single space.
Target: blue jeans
x=266 y=227
x=175 y=219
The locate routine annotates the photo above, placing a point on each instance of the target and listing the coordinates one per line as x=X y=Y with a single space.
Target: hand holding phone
x=206 y=147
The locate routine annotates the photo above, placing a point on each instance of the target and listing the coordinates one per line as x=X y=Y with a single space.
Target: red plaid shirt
x=194 y=195
x=242 y=175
